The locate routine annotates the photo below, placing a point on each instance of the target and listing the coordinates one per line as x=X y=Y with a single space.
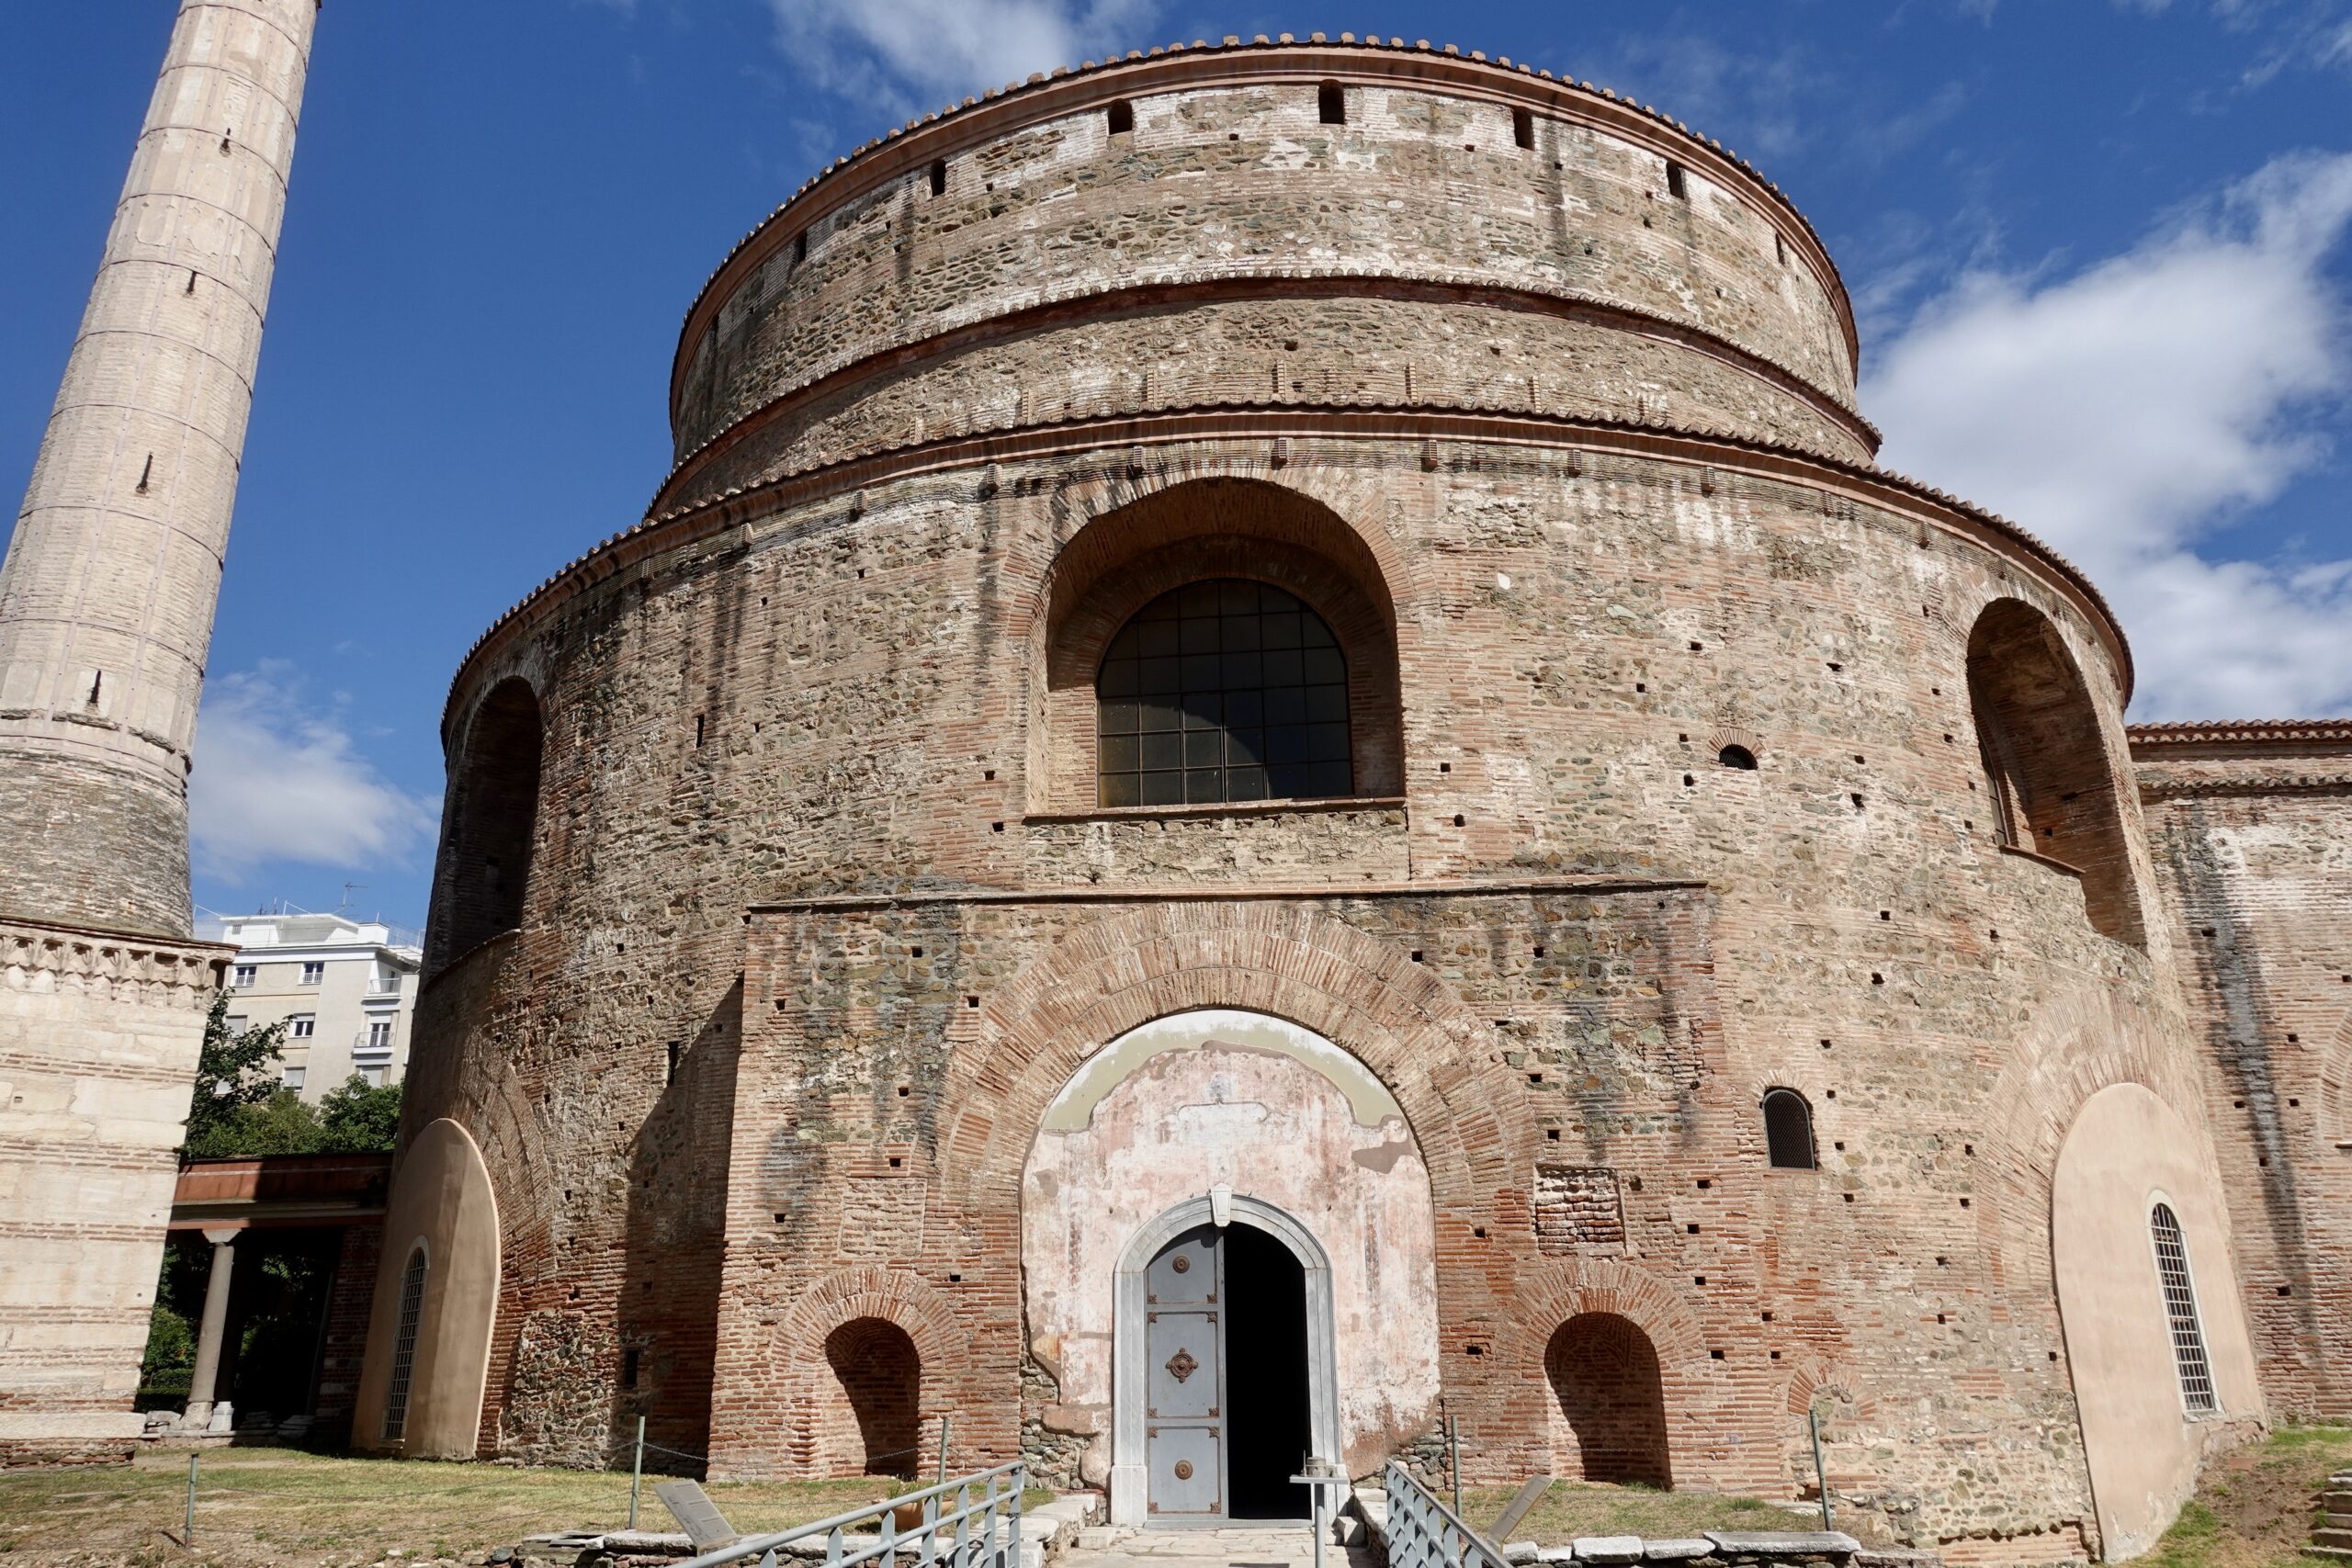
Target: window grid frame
x=1228 y=665
x=397 y=1386
x=2176 y=1283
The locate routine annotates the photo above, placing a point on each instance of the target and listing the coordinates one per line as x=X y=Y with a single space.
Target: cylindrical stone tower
x=106 y=597
x=106 y=611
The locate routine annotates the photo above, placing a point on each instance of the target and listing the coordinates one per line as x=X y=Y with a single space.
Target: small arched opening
x=1788 y=1131
x=1610 y=1402
x=873 y=1424
x=493 y=822
x=2053 y=791
x=1738 y=757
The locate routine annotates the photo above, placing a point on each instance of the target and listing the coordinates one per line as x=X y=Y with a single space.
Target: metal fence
x=1425 y=1533
x=972 y=1522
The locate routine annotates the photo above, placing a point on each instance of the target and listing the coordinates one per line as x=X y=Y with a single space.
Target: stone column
x=200 y=1389
x=108 y=592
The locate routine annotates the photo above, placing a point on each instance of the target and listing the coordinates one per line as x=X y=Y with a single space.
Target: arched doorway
x=1226 y=1382
x=1611 y=1424
x=874 y=1426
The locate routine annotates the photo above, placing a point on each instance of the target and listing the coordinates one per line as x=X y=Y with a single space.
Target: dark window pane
x=1222 y=690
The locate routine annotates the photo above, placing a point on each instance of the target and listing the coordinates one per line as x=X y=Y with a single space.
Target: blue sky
x=2102 y=252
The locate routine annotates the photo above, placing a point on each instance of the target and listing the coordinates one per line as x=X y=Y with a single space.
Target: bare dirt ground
x=2254 y=1509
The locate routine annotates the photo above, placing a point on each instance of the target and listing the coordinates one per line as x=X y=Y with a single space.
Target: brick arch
x=2080 y=1044
x=1364 y=995
x=1519 y=1391
x=2335 y=1093
x=1117 y=544
x=491 y=821
x=804 y=1396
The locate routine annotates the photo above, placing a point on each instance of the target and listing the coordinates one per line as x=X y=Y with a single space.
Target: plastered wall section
x=1172 y=1111
x=2128 y=1152
x=99 y=1043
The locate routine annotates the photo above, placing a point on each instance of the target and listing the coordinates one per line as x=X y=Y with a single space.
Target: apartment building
x=345 y=987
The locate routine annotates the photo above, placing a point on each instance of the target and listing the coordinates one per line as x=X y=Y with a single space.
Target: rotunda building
x=1273 y=768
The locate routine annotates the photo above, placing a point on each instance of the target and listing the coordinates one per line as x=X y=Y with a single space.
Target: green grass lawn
x=1572 y=1508
x=282 y=1506
x=2254 y=1509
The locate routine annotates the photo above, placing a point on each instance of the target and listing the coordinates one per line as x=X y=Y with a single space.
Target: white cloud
x=275 y=782
x=2131 y=411
x=948 y=48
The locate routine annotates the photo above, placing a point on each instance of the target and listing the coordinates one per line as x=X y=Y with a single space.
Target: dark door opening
x=1269 y=1432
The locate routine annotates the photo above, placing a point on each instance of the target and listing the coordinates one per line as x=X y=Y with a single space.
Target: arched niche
x=2054 y=787
x=1201 y=531
x=2126 y=1150
x=1224 y=1111
x=441 y=1206
x=491 y=823
x=1609 y=1400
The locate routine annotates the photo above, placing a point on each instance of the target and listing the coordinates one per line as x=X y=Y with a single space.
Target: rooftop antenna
x=348 y=889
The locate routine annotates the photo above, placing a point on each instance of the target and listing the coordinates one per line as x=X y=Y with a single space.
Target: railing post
x=636 y=1472
x=188 y=1528
x=1019 y=1484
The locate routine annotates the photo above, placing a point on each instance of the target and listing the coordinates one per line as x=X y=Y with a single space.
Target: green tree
x=359 y=1118
x=282 y=1124
x=233 y=1072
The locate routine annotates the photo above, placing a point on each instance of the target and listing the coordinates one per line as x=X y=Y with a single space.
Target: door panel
x=1187 y=1472
x=1184 y=1377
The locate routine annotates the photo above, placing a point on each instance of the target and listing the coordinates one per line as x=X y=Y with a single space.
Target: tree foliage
x=235 y=1072
x=359 y=1118
x=241 y=1111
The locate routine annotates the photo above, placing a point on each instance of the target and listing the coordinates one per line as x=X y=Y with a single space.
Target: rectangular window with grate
x=2180 y=1308
x=404 y=1346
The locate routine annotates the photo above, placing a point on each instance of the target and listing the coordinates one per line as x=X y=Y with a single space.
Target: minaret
x=107 y=596
x=106 y=613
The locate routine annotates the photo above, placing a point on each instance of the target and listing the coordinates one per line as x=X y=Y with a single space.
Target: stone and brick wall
x=2250 y=823
x=819 y=914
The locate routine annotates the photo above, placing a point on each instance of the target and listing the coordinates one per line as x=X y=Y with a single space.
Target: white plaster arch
x=1129 y=1504
x=1313 y=1149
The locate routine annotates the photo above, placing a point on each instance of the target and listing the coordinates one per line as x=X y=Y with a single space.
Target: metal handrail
x=998 y=1500
x=1424 y=1533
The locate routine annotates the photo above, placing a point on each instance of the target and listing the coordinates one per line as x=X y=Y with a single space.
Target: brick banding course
x=818 y=917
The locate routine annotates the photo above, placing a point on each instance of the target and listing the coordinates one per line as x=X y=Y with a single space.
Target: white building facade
x=344 y=987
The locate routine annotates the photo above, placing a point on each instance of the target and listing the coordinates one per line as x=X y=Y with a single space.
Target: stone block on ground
x=1677 y=1549
x=1784 y=1543
x=1519 y=1553
x=1609 y=1548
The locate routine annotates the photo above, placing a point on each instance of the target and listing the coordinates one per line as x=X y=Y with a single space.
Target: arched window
x=1332 y=104
x=1219 y=691
x=1788 y=1130
x=493 y=815
x=877 y=1422
x=2180 y=1312
x=404 y=1346
x=2052 y=789
x=1738 y=757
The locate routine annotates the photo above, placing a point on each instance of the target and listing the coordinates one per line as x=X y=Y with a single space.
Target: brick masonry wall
x=819 y=915
x=2249 y=823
